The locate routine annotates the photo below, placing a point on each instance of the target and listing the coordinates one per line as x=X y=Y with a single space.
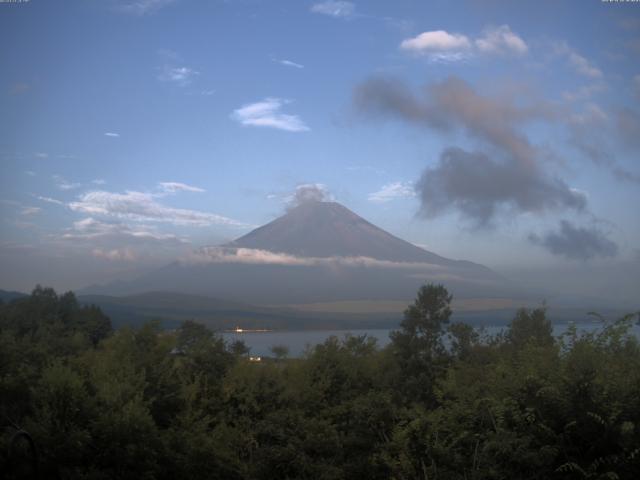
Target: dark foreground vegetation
x=79 y=400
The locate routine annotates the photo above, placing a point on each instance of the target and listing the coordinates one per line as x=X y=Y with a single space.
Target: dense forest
x=442 y=401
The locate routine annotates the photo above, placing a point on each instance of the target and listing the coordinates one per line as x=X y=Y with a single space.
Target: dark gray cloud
x=591 y=134
x=576 y=243
x=474 y=183
x=453 y=104
x=599 y=154
x=477 y=186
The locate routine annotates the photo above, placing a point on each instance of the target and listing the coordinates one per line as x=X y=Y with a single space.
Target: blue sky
x=133 y=131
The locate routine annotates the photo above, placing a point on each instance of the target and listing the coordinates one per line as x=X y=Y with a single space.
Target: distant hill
x=7 y=296
x=173 y=308
x=316 y=252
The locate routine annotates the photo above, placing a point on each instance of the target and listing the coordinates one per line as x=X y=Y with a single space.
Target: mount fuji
x=316 y=252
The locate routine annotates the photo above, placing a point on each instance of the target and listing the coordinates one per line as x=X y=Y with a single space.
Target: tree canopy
x=442 y=401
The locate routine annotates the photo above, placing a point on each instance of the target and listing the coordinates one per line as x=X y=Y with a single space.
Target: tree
x=418 y=345
x=239 y=348
x=531 y=327
x=94 y=324
x=463 y=338
x=146 y=403
x=425 y=319
x=192 y=335
x=280 y=351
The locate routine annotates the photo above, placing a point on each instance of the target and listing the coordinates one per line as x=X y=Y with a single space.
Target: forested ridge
x=442 y=401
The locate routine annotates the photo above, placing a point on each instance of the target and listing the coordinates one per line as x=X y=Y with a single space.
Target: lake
x=260 y=343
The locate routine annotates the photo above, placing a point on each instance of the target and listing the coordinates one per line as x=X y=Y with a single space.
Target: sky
x=502 y=132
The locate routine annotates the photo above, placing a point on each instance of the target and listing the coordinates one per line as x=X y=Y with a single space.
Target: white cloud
x=173 y=187
x=333 y=8
x=392 y=191
x=50 y=200
x=579 y=63
x=448 y=57
x=64 y=184
x=42 y=155
x=98 y=181
x=436 y=41
x=208 y=255
x=309 y=192
x=257 y=256
x=111 y=134
x=501 y=40
x=266 y=113
x=207 y=93
x=90 y=229
x=289 y=63
x=28 y=211
x=144 y=207
x=181 y=76
x=303 y=193
x=583 y=66
x=440 y=45
x=584 y=93
x=31 y=173
x=592 y=115
x=142 y=7
x=116 y=240
x=115 y=254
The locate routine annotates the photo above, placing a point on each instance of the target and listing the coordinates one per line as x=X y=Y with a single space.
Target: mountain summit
x=316 y=252
x=328 y=229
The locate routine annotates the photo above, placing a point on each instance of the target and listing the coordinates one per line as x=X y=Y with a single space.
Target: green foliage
x=418 y=345
x=440 y=402
x=239 y=348
x=464 y=339
x=530 y=327
x=280 y=351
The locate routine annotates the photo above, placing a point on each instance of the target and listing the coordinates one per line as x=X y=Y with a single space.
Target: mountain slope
x=317 y=252
x=327 y=229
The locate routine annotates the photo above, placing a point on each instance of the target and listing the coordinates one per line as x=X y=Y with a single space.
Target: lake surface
x=297 y=342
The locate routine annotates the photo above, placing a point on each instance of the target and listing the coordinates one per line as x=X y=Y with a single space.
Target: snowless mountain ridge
x=328 y=229
x=316 y=252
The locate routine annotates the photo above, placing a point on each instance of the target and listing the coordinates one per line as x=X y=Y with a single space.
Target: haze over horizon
x=504 y=133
